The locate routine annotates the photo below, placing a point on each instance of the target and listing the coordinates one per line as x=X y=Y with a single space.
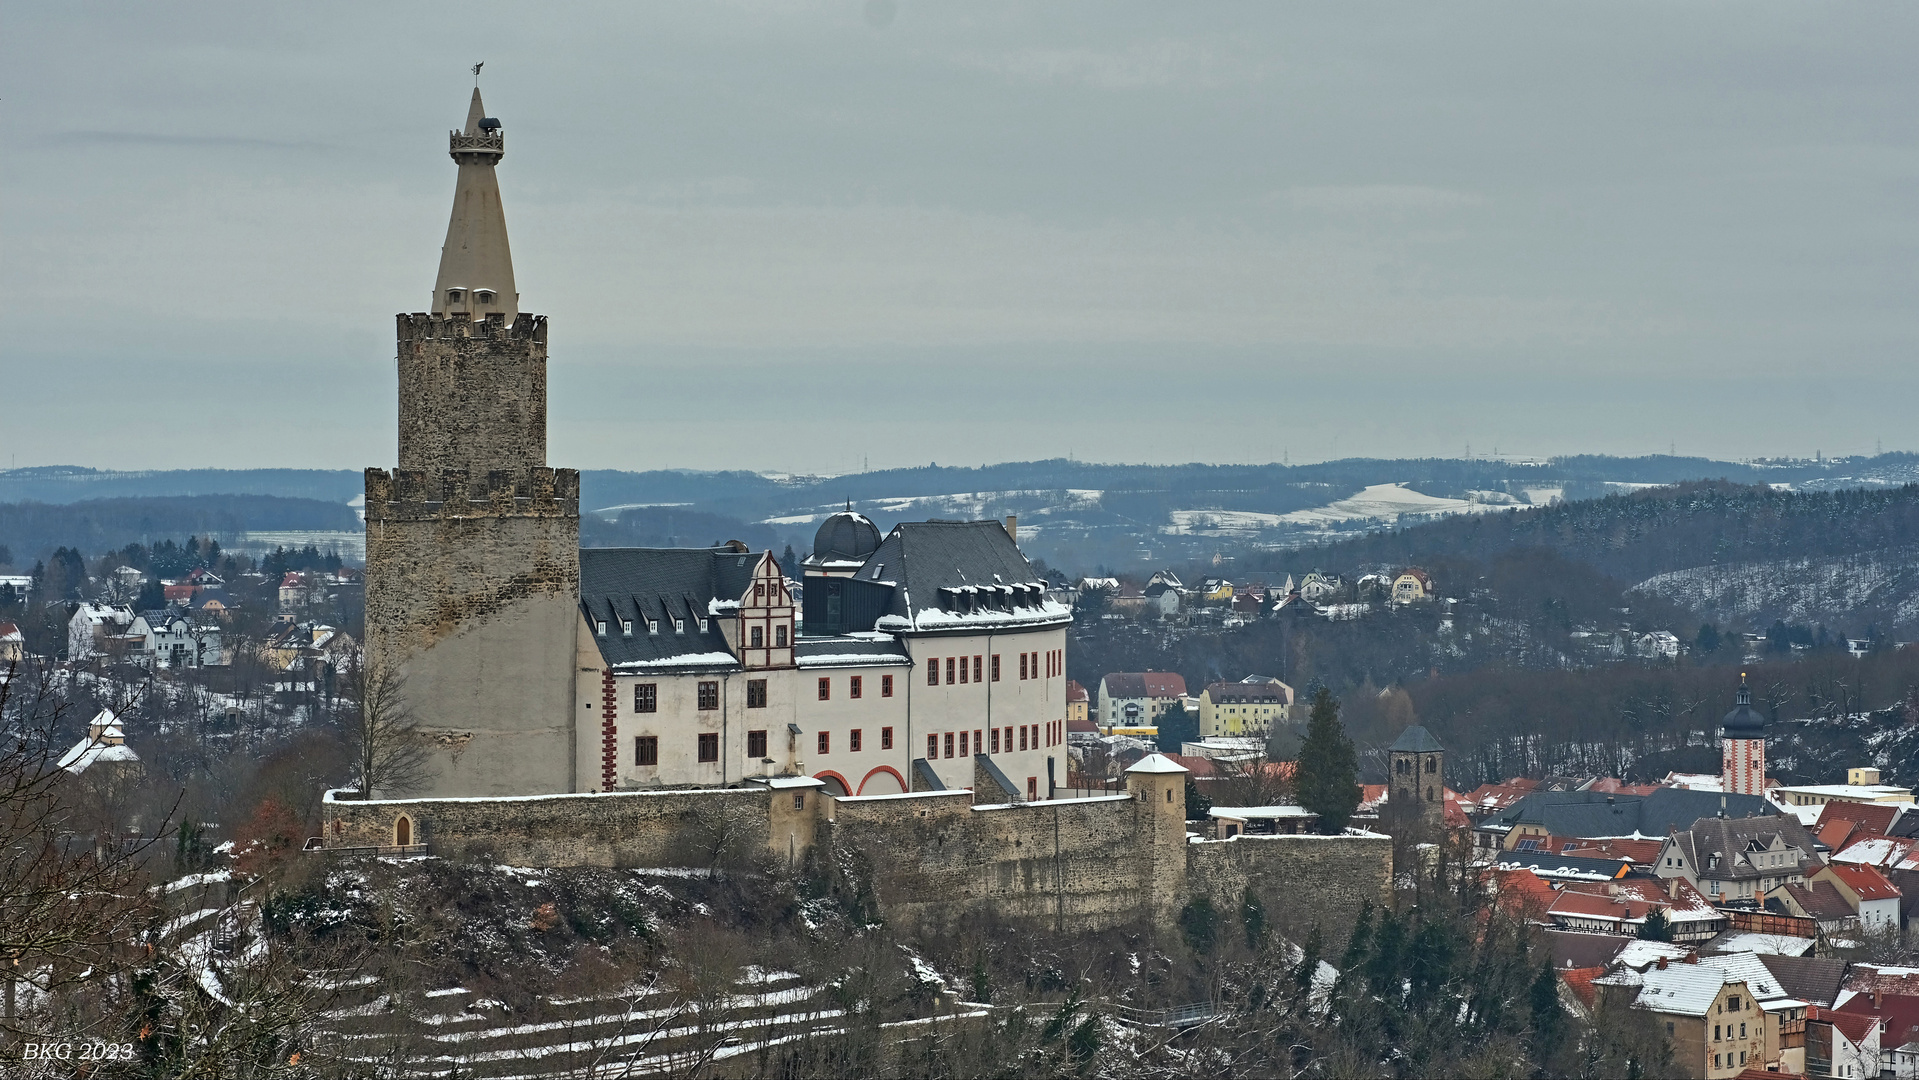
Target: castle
x=609 y=706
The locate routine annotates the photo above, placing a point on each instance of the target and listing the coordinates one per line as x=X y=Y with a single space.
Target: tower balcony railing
x=480 y=142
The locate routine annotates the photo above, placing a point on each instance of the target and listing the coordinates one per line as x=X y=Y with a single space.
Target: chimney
x=1012 y=527
x=1662 y=963
x=1692 y=958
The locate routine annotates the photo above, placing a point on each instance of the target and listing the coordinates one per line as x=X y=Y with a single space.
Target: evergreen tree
x=1327 y=776
x=1549 y=1018
x=790 y=563
x=1708 y=639
x=1656 y=927
x=152 y=595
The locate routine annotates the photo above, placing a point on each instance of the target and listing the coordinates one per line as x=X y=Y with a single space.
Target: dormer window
x=626 y=627
x=702 y=626
x=679 y=626
x=482 y=296
x=455 y=296
x=600 y=627
x=652 y=626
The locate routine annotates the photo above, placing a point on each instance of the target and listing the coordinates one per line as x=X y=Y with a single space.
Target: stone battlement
x=421 y=326
x=429 y=494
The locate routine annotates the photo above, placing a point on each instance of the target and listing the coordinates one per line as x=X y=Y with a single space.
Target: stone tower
x=1158 y=787
x=473 y=562
x=1742 y=745
x=1418 y=765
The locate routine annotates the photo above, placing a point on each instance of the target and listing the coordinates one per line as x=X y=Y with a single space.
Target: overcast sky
x=804 y=237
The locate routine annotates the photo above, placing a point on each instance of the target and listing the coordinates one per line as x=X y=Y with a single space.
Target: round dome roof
x=1744 y=721
x=846 y=535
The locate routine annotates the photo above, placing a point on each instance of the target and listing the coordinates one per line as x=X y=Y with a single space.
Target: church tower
x=1418 y=781
x=473 y=563
x=1742 y=746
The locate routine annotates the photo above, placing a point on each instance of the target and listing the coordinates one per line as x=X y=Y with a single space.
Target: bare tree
x=71 y=905
x=393 y=758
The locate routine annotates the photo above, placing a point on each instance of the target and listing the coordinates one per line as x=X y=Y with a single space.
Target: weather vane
x=476 y=74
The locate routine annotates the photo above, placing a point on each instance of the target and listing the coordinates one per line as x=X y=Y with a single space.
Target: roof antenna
x=476 y=74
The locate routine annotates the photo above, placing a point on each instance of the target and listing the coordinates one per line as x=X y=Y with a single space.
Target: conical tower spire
x=476 y=264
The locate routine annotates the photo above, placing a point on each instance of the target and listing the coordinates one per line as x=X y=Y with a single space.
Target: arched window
x=453 y=296
x=1432 y=765
x=482 y=296
x=1429 y=794
x=403 y=831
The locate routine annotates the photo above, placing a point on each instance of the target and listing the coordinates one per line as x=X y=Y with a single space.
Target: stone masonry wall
x=1303 y=881
x=472 y=595
x=935 y=858
x=620 y=829
x=472 y=393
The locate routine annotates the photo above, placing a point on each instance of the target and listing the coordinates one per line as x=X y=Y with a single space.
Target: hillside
x=1745 y=554
x=32 y=530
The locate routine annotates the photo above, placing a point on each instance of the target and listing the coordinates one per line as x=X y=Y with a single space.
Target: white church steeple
x=476 y=265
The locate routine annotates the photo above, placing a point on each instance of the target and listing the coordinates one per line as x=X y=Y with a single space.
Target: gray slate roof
x=1729 y=838
x=1416 y=740
x=1595 y=814
x=1809 y=978
x=638 y=584
x=924 y=557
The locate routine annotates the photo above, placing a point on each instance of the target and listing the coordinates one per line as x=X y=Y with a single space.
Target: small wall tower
x=1158 y=787
x=1742 y=745
x=473 y=563
x=1418 y=779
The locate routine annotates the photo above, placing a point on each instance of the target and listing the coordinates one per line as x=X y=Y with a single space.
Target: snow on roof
x=1682 y=989
x=782 y=782
x=1157 y=763
x=1882 y=851
x=1639 y=953
x=1745 y=967
x=1751 y=941
x=685 y=660
x=87 y=753
x=1249 y=813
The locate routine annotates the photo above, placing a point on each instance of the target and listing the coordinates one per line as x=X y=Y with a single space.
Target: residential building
x=170 y=638
x=1134 y=699
x=1823 y=794
x=1412 y=586
x=1711 y=1021
x=1866 y=891
x=1621 y=907
x=1078 y=707
x=1317 y=587
x=1740 y=858
x=1251 y=706
x=1658 y=645
x=1842 y=1045
x=105 y=745
x=96 y=630
x=1598 y=815
x=922 y=651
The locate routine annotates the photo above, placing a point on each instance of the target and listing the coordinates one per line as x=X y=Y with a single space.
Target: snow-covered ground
x=1389 y=502
x=1799 y=590
x=964 y=505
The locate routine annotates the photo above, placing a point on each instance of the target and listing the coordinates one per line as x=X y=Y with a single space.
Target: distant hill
x=33 y=530
x=1734 y=553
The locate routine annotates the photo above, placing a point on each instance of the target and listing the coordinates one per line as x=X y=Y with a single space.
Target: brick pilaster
x=609 y=737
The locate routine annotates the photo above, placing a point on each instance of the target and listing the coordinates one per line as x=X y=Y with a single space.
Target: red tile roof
x=1522 y=892
x=1580 y=982
x=1145 y=684
x=1074 y=691
x=1834 y=833
x=1872 y=817
x=1866 y=881
x=1852 y=1025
